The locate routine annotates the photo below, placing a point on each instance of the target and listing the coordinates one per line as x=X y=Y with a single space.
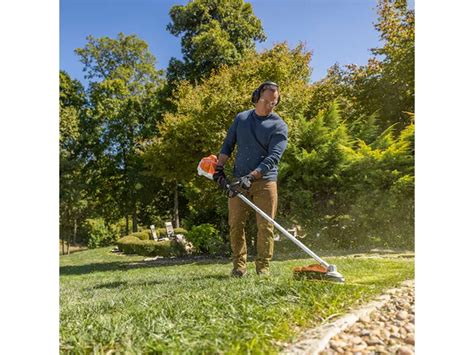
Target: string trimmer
x=321 y=271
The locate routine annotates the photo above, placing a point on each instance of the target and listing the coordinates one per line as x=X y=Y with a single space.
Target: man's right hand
x=219 y=177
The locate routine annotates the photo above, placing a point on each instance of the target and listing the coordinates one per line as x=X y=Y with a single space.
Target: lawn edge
x=315 y=340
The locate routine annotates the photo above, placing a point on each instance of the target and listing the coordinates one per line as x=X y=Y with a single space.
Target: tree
x=123 y=82
x=213 y=33
x=72 y=200
x=385 y=86
x=397 y=29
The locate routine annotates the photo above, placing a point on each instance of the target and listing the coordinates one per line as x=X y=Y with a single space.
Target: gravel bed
x=387 y=330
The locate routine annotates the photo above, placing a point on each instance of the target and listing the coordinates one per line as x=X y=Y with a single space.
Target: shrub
x=161 y=232
x=206 y=239
x=133 y=245
x=143 y=235
x=99 y=233
x=180 y=231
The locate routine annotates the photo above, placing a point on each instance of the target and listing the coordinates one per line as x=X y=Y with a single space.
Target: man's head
x=266 y=97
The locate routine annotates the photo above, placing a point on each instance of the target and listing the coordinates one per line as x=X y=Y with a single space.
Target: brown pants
x=262 y=193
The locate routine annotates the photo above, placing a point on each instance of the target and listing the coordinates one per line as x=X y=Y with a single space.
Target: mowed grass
x=115 y=302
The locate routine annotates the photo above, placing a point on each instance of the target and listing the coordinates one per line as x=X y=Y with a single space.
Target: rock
x=365 y=319
x=410 y=327
x=394 y=329
x=402 y=315
x=356 y=340
x=410 y=339
x=337 y=344
x=386 y=333
x=375 y=332
x=381 y=349
x=374 y=341
x=404 y=350
x=359 y=347
x=403 y=332
x=392 y=341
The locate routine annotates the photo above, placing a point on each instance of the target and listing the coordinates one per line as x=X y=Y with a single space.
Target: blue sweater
x=261 y=141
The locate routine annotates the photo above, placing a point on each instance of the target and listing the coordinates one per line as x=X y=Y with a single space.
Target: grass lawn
x=117 y=302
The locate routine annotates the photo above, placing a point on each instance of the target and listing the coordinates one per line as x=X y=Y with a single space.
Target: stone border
x=316 y=339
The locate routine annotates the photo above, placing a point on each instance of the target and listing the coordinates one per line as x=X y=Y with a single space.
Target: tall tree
x=72 y=201
x=385 y=86
x=396 y=25
x=213 y=33
x=123 y=82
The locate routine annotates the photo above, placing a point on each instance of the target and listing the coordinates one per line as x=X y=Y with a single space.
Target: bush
x=180 y=231
x=99 y=233
x=133 y=245
x=143 y=235
x=161 y=232
x=206 y=239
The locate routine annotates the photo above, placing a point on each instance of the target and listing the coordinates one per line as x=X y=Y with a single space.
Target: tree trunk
x=176 y=206
x=68 y=242
x=134 y=218
x=75 y=232
x=62 y=244
x=126 y=224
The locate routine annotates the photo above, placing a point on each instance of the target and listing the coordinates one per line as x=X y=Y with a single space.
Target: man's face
x=266 y=103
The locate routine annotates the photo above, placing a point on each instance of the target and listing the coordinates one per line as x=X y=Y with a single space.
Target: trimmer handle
x=231 y=189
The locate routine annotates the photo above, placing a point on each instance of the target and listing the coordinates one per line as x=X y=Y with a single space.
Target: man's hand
x=245 y=182
x=219 y=177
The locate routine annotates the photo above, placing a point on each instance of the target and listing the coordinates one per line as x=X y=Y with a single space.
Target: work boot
x=238 y=272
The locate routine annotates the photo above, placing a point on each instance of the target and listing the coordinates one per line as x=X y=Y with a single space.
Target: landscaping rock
x=385 y=328
x=388 y=330
x=402 y=315
x=405 y=351
x=410 y=339
x=337 y=344
x=410 y=327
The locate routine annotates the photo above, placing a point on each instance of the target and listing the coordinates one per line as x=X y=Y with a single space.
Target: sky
x=339 y=31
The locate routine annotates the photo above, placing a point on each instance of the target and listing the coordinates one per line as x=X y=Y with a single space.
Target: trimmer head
x=318 y=272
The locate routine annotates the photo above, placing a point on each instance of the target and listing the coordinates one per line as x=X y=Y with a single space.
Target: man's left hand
x=245 y=182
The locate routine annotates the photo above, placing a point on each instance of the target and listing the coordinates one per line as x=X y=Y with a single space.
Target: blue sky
x=334 y=30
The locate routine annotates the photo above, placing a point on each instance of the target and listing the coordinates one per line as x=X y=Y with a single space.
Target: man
x=261 y=137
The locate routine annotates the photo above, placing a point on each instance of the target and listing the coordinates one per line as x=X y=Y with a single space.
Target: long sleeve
x=276 y=147
x=230 y=139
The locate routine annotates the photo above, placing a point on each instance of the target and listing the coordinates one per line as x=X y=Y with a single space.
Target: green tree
x=72 y=200
x=378 y=180
x=311 y=167
x=396 y=26
x=123 y=84
x=385 y=86
x=213 y=33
